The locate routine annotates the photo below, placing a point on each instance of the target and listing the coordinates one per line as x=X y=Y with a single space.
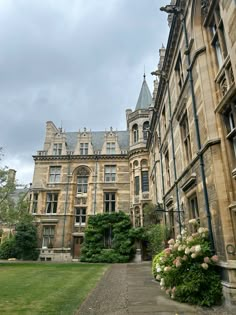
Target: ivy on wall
x=108 y=239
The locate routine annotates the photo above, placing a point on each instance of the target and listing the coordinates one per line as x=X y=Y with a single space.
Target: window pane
x=145 y=184
x=136 y=185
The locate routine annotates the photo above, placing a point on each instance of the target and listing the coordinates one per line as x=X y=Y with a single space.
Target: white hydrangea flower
x=193 y=221
x=187 y=250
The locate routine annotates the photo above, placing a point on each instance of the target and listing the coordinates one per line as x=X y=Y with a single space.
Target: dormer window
x=135 y=133
x=57 y=148
x=111 y=148
x=83 y=148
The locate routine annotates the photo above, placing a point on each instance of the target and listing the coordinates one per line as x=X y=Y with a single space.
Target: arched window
x=135 y=133
x=145 y=130
x=82 y=180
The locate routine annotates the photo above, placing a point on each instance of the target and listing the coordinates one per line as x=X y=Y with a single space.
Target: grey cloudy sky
x=79 y=62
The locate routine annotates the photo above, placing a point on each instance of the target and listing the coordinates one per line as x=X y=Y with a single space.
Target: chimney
x=11 y=177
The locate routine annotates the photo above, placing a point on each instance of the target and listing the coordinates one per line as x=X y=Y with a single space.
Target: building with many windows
x=192 y=131
x=178 y=152
x=78 y=174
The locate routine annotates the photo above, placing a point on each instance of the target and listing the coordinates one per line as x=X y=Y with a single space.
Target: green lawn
x=46 y=288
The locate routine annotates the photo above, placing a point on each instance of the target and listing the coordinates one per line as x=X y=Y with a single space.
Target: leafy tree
x=8 y=248
x=12 y=210
x=26 y=240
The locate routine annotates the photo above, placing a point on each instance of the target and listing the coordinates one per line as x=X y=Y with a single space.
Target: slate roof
x=145 y=97
x=98 y=138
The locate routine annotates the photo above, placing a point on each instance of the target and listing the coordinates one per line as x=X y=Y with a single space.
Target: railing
x=42 y=153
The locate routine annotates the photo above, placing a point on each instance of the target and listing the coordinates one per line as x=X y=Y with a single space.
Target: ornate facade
x=192 y=141
x=78 y=174
x=178 y=151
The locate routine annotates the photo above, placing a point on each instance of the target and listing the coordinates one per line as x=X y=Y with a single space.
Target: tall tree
x=12 y=207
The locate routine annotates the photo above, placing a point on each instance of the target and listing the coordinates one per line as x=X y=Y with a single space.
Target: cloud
x=76 y=62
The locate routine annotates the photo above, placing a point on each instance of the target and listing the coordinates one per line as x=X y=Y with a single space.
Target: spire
x=145 y=98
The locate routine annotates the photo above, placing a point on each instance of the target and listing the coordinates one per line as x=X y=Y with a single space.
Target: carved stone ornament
x=82 y=171
x=205 y=6
x=223 y=86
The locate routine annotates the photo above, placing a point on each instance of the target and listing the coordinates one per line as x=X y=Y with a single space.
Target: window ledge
x=191 y=181
x=222 y=69
x=49 y=220
x=80 y=224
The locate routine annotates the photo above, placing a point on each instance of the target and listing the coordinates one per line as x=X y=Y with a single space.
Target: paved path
x=129 y=289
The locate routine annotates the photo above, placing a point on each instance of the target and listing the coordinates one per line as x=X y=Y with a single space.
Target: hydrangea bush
x=186 y=269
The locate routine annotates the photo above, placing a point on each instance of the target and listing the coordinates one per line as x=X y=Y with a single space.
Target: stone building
x=178 y=152
x=78 y=174
x=192 y=143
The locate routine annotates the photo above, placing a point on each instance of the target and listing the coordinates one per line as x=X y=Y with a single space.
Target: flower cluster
x=188 y=253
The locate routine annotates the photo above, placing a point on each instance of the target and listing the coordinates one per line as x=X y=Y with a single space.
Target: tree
x=13 y=207
x=26 y=240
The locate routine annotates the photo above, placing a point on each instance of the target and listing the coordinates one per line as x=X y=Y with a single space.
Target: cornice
x=80 y=157
x=137 y=151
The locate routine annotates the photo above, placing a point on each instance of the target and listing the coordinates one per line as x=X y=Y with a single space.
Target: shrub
x=108 y=239
x=26 y=241
x=156 y=237
x=186 y=269
x=8 y=248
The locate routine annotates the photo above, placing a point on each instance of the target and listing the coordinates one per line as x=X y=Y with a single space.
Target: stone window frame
x=80 y=216
x=51 y=202
x=135 y=133
x=185 y=136
x=57 y=149
x=145 y=130
x=179 y=70
x=167 y=167
x=54 y=174
x=136 y=185
x=109 y=201
x=83 y=148
x=110 y=173
x=229 y=115
x=48 y=236
x=217 y=36
x=35 y=198
x=111 y=147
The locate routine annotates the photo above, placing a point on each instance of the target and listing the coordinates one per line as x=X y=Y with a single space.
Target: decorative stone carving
x=205 y=6
x=223 y=86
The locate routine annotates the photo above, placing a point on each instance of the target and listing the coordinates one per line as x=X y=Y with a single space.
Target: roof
x=145 y=97
x=98 y=138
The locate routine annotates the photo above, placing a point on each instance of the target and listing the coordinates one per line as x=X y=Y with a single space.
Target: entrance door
x=78 y=240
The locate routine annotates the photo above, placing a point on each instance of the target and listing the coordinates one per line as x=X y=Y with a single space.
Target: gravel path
x=110 y=295
x=129 y=289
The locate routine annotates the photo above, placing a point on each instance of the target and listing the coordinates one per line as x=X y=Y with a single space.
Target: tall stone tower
x=138 y=127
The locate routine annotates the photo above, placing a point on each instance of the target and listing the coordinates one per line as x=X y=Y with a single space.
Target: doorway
x=78 y=241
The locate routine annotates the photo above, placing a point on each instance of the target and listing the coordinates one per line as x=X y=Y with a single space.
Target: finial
x=144 y=75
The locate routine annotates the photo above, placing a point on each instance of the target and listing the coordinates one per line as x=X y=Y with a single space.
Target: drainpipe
x=66 y=202
x=155 y=175
x=95 y=185
x=173 y=154
x=196 y=123
x=162 y=174
x=177 y=10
